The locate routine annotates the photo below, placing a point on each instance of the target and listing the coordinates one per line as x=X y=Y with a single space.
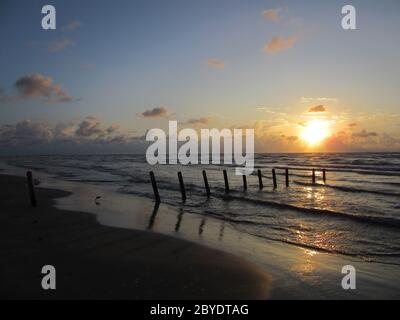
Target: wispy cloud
x=365 y=134
x=216 y=63
x=319 y=99
x=59 y=45
x=159 y=112
x=197 y=121
x=278 y=44
x=271 y=111
x=72 y=26
x=272 y=14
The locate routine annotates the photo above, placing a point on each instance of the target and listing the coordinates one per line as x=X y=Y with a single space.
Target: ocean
x=356 y=212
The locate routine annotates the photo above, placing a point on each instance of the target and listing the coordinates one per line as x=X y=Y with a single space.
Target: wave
x=219 y=193
x=364 y=256
x=349 y=189
x=376 y=220
x=358 y=170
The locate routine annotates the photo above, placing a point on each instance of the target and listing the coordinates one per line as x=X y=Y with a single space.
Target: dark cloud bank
x=86 y=136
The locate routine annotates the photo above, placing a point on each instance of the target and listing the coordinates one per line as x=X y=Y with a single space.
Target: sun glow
x=315 y=131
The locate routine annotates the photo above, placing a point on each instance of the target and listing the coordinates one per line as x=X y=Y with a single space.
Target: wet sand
x=293 y=272
x=93 y=261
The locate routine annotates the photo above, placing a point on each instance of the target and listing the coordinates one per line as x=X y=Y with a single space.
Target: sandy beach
x=93 y=261
x=125 y=247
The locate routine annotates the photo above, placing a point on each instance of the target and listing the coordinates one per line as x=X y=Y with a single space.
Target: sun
x=315 y=131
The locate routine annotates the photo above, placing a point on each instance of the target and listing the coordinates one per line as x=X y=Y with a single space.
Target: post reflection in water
x=201 y=227
x=178 y=223
x=221 y=231
x=153 y=216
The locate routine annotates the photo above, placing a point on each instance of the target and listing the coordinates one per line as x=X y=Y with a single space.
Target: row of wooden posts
x=226 y=181
x=32 y=195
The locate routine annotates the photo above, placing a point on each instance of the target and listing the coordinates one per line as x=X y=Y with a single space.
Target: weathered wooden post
x=287 y=177
x=244 y=183
x=226 y=181
x=206 y=183
x=313 y=175
x=155 y=189
x=324 y=175
x=182 y=185
x=260 y=183
x=274 y=178
x=31 y=189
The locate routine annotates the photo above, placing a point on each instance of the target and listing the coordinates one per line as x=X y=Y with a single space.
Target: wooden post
x=182 y=185
x=244 y=183
x=324 y=175
x=313 y=175
x=260 y=183
x=274 y=178
x=226 y=181
x=31 y=189
x=287 y=177
x=206 y=183
x=155 y=189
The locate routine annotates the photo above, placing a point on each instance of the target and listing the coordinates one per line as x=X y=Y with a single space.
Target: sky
x=114 y=69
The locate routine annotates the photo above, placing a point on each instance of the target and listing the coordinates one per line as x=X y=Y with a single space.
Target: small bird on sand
x=96 y=200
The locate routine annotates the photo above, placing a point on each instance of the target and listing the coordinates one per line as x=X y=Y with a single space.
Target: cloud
x=88 y=130
x=364 y=134
x=196 y=121
x=26 y=133
x=38 y=85
x=160 y=112
x=292 y=138
x=59 y=45
x=216 y=63
x=321 y=99
x=278 y=44
x=319 y=108
x=362 y=141
x=390 y=141
x=72 y=26
x=272 y=14
x=302 y=123
x=90 y=127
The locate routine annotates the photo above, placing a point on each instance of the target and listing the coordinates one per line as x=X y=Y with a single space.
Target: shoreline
x=94 y=261
x=294 y=272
